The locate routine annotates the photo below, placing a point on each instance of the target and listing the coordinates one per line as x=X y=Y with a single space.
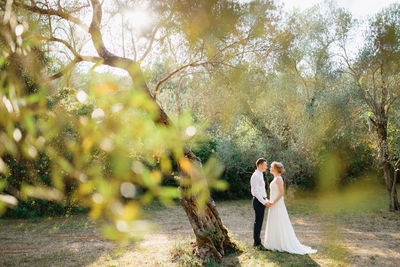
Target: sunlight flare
x=139 y=18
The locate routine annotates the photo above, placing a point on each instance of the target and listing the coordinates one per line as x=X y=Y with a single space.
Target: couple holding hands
x=279 y=233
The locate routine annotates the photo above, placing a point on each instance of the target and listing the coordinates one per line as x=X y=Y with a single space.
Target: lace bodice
x=274 y=190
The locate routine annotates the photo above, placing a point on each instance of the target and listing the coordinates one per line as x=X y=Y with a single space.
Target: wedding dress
x=279 y=233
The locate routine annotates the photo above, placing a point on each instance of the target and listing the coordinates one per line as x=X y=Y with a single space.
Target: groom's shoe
x=260 y=247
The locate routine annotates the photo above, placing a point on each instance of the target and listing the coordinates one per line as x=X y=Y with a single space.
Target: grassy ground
x=346 y=232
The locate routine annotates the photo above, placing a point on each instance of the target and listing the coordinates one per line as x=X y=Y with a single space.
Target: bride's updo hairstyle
x=278 y=166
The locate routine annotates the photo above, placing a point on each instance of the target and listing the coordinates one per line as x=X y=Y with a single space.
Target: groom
x=260 y=200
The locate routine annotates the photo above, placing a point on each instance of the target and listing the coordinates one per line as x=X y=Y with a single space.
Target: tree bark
x=212 y=237
x=385 y=160
x=393 y=194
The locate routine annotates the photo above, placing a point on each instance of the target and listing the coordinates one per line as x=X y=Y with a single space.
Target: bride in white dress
x=279 y=233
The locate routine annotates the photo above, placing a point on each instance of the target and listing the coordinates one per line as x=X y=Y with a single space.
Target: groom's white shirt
x=258 y=186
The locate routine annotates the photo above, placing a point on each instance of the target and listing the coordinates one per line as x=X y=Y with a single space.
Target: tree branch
x=391 y=102
x=396 y=165
x=133 y=47
x=76 y=60
x=150 y=44
x=97 y=38
x=54 y=12
x=177 y=96
x=194 y=64
x=373 y=122
x=65 y=70
x=55 y=39
x=396 y=170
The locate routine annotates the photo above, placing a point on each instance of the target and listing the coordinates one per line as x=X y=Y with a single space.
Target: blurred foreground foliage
x=66 y=150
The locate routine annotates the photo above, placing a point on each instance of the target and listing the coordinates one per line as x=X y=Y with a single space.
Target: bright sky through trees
x=359 y=8
x=140 y=18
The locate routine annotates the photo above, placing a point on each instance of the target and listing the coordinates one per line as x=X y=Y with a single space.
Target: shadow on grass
x=61 y=257
x=254 y=257
x=287 y=259
x=53 y=241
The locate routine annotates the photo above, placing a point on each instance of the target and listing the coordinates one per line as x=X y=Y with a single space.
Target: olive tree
x=376 y=78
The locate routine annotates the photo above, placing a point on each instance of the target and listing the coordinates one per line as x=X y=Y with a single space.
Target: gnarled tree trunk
x=385 y=161
x=393 y=194
x=212 y=238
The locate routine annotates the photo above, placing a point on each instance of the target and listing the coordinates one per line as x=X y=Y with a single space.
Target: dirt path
x=75 y=241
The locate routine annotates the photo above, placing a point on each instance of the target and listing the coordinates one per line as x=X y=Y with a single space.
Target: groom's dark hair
x=260 y=161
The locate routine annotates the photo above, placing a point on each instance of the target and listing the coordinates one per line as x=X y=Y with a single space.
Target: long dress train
x=279 y=234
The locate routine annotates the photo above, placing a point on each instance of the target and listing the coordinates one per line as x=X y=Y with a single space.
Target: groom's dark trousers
x=259 y=209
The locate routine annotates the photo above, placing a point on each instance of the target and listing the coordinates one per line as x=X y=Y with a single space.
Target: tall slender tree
x=376 y=76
